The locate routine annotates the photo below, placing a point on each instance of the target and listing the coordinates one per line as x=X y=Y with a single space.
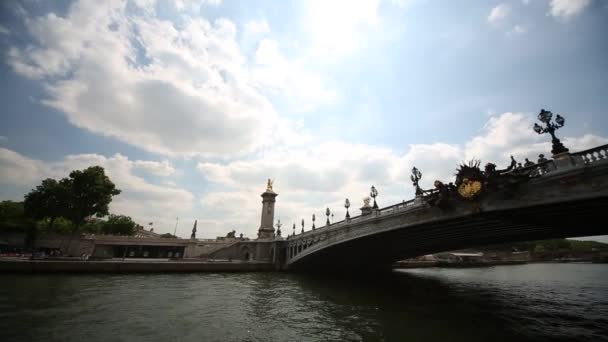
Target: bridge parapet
x=592 y=155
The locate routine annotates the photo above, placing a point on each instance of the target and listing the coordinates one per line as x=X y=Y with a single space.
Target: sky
x=191 y=105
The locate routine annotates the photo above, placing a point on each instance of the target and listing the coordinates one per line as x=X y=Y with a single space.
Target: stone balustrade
x=593 y=155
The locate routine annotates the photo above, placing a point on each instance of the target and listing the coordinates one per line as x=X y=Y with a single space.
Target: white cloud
x=276 y=74
x=566 y=9
x=257 y=26
x=179 y=91
x=194 y=5
x=163 y=168
x=516 y=30
x=143 y=201
x=498 y=13
x=337 y=27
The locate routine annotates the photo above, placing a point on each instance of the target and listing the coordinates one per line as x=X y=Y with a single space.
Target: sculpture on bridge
x=374 y=193
x=366 y=200
x=550 y=127
x=347 y=205
x=469 y=180
x=415 y=177
x=269 y=185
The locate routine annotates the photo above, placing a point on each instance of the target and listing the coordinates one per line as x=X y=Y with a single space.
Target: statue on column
x=193 y=235
x=269 y=185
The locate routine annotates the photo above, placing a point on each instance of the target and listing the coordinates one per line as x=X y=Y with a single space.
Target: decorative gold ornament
x=269 y=185
x=469 y=189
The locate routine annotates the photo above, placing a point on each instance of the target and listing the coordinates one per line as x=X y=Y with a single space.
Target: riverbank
x=129 y=266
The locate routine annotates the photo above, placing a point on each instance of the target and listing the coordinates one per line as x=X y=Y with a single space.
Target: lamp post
x=302 y=225
x=313 y=221
x=415 y=177
x=347 y=205
x=327 y=212
x=374 y=193
x=550 y=127
x=279 y=227
x=294 y=229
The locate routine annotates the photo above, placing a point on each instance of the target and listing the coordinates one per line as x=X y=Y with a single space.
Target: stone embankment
x=129 y=266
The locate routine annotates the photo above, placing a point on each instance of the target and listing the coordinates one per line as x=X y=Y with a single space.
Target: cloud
x=310 y=178
x=194 y=5
x=257 y=26
x=173 y=90
x=498 y=13
x=3 y=138
x=142 y=200
x=275 y=74
x=566 y=9
x=163 y=168
x=516 y=30
x=338 y=27
x=4 y=30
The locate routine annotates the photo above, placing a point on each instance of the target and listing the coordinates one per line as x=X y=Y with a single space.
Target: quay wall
x=53 y=266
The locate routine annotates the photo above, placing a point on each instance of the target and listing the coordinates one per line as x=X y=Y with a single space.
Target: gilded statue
x=269 y=185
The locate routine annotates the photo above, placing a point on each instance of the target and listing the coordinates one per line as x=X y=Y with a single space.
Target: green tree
x=47 y=201
x=90 y=193
x=12 y=217
x=119 y=225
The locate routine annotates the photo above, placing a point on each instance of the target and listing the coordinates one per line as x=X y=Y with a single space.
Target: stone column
x=266 y=231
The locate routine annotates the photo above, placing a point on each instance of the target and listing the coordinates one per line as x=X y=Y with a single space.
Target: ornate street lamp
x=279 y=227
x=327 y=212
x=302 y=225
x=294 y=229
x=347 y=205
x=550 y=127
x=415 y=177
x=313 y=221
x=374 y=193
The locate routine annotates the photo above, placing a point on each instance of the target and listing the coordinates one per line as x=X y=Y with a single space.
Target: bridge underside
x=381 y=250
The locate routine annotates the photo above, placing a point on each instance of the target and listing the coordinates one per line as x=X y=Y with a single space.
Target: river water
x=503 y=303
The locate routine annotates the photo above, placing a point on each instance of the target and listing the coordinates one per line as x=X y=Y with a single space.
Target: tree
x=90 y=193
x=47 y=200
x=168 y=236
x=119 y=225
x=12 y=217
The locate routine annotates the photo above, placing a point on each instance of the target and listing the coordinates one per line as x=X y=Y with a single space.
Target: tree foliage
x=47 y=201
x=12 y=217
x=119 y=225
x=82 y=194
x=90 y=193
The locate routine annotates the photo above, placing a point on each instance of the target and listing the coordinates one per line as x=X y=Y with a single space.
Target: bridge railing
x=592 y=155
x=535 y=170
x=405 y=205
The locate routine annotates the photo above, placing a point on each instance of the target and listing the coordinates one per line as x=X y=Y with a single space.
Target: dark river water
x=505 y=303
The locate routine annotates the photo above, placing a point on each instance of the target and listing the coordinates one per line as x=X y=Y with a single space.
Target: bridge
x=566 y=196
